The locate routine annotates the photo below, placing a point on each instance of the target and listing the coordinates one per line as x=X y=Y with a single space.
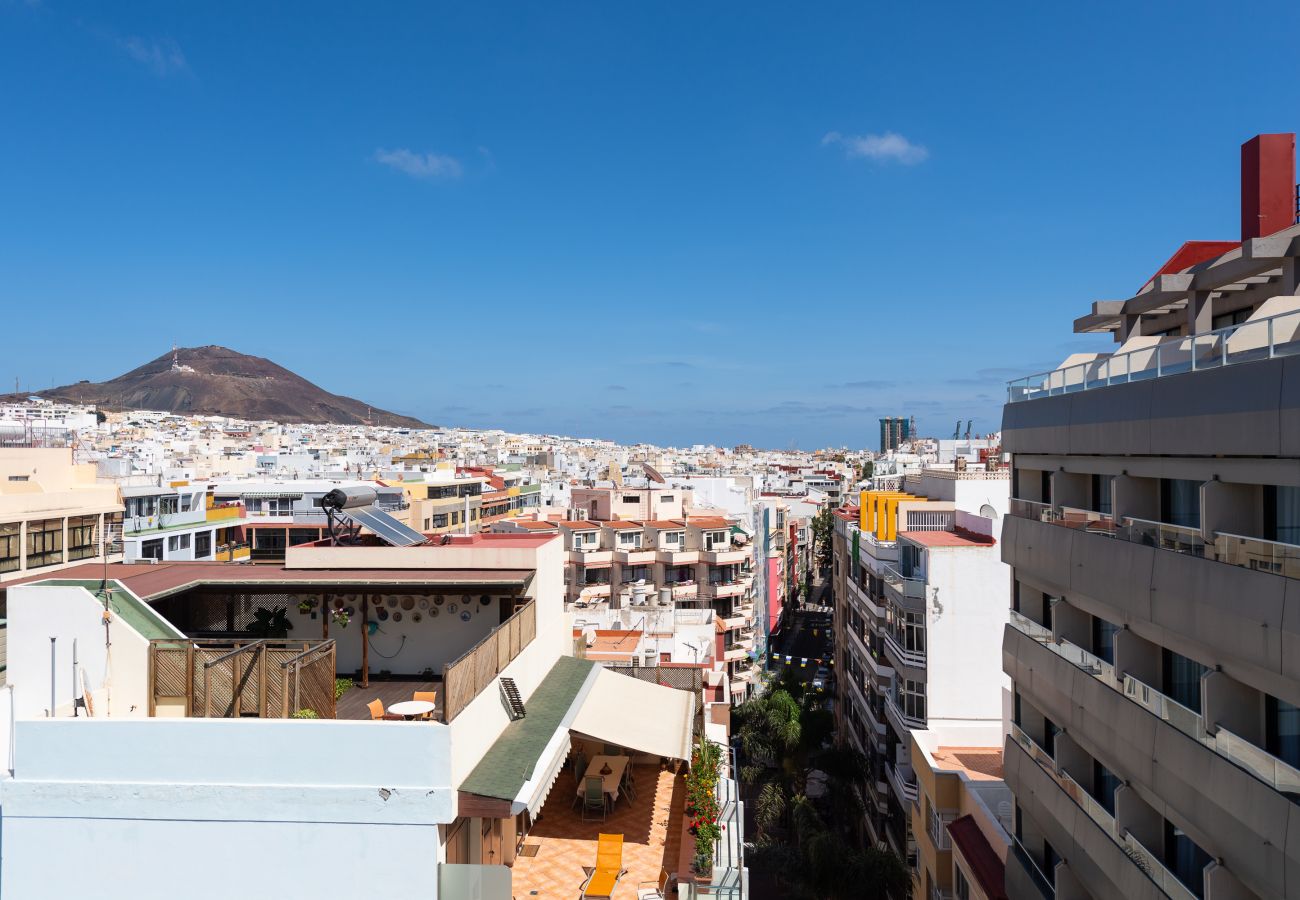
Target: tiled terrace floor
x=650 y=825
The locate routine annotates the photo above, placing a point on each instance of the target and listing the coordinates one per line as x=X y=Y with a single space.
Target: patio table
x=411 y=708
x=611 y=781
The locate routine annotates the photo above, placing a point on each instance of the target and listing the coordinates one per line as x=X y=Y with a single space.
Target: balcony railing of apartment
x=232 y=552
x=479 y=666
x=1147 y=861
x=1243 y=343
x=1030 y=865
x=905 y=788
x=901 y=721
x=938 y=894
x=1269 y=769
x=936 y=826
x=913 y=658
x=1231 y=549
x=911 y=588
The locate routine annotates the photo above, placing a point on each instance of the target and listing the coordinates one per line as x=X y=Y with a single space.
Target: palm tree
x=801 y=839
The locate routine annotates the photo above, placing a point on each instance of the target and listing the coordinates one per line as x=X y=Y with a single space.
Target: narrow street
x=805 y=642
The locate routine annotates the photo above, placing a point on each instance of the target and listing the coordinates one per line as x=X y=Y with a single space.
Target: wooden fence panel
x=465 y=678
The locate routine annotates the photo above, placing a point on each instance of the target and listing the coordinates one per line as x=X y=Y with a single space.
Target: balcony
x=904 y=786
x=912 y=658
x=1256 y=554
x=591 y=556
x=907 y=588
x=859 y=593
x=1124 y=844
x=232 y=552
x=902 y=722
x=725 y=557
x=1023 y=877
x=1264 y=766
x=1247 y=342
x=225 y=512
x=1218 y=783
x=634 y=556
x=673 y=556
x=722 y=589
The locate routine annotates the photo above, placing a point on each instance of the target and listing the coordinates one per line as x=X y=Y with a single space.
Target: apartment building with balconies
x=920 y=594
x=1154 y=540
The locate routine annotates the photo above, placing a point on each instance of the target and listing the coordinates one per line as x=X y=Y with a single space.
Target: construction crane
x=969 y=422
x=956 y=430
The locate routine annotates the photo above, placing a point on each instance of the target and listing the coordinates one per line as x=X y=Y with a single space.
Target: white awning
x=536 y=789
x=637 y=714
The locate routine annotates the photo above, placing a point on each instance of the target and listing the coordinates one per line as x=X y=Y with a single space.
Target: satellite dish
x=988 y=512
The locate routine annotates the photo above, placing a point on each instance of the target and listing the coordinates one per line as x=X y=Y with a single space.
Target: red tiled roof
x=665 y=524
x=621 y=523
x=707 y=522
x=958 y=537
x=579 y=526
x=985 y=865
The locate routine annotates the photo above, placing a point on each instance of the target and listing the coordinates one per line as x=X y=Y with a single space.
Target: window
x=1185 y=859
x=1180 y=502
x=81 y=536
x=439 y=520
x=11 y=546
x=629 y=539
x=1182 y=679
x=1103 y=639
x=910 y=696
x=152 y=549
x=203 y=544
x=666 y=498
x=673 y=537
x=1282 y=730
x=1282 y=513
x=1226 y=320
x=1101 y=493
x=961 y=887
x=44 y=543
x=1104 y=785
x=630 y=498
x=168 y=505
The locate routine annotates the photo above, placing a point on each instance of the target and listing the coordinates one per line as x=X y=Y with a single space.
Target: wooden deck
x=352 y=705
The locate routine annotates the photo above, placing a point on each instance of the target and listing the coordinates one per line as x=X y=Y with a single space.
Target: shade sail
x=638 y=714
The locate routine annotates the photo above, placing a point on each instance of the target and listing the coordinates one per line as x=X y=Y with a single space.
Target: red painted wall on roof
x=1267 y=184
x=773 y=594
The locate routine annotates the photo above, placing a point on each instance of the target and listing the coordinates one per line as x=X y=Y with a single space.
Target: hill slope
x=222 y=382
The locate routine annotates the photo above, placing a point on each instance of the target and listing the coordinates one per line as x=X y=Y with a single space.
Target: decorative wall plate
x=392 y=603
x=452 y=607
x=408 y=603
x=424 y=603
x=417 y=618
x=383 y=615
x=465 y=616
x=397 y=616
x=485 y=600
x=439 y=600
x=434 y=612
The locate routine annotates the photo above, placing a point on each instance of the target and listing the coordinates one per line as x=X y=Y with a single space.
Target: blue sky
x=676 y=223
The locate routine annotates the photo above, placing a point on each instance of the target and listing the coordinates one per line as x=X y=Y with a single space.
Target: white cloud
x=889 y=147
x=420 y=165
x=163 y=57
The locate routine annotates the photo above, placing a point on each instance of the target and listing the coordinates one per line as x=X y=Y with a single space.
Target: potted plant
x=340 y=618
x=270 y=623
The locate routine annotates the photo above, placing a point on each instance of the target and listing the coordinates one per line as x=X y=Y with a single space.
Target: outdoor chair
x=377 y=713
x=602 y=880
x=579 y=767
x=593 y=797
x=628 y=785
x=654 y=890
x=429 y=697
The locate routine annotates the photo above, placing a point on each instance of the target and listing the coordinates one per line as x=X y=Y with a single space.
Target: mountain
x=219 y=381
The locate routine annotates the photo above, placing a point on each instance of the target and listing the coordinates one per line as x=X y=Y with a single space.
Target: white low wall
x=136 y=807
x=117 y=673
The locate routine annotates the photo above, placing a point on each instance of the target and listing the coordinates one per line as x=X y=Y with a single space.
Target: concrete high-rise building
x=1154 y=539
x=895 y=430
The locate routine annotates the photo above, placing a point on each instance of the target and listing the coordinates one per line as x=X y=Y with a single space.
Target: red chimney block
x=1268 y=187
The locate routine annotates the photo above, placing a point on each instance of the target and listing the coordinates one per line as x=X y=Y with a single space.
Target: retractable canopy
x=638 y=714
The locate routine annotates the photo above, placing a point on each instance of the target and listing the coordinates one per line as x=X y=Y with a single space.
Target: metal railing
x=1143 y=858
x=1246 y=342
x=1030 y=865
x=901 y=720
x=910 y=587
x=907 y=790
x=913 y=658
x=1256 y=554
x=1272 y=771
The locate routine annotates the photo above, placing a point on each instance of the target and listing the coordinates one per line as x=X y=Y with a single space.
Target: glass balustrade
x=1242 y=343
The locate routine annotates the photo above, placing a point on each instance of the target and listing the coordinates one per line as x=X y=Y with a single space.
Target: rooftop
x=150 y=581
x=978 y=763
x=984 y=862
x=958 y=537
